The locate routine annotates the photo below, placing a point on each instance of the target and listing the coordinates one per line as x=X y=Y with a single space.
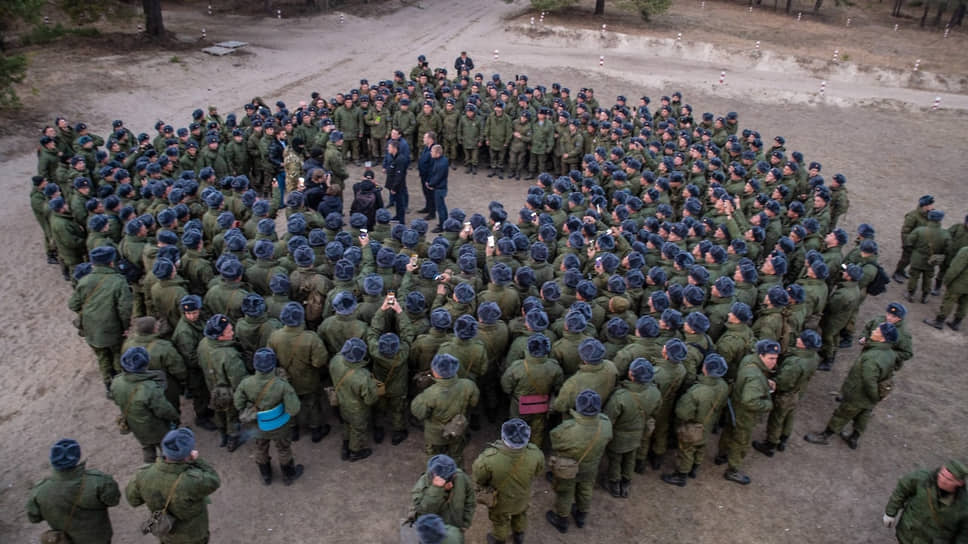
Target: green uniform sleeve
x=108 y=491
x=906 y=488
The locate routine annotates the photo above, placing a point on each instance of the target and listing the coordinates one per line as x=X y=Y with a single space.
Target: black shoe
x=781 y=446
x=291 y=472
x=265 y=471
x=438 y=230
x=319 y=433
x=579 y=516
x=530 y=176
x=396 y=437
x=474 y=170
x=851 y=439
x=826 y=365
x=556 y=521
x=640 y=466
x=822 y=438
x=467 y=170
x=676 y=478
x=423 y=210
x=224 y=441
x=493 y=173
x=295 y=433
x=430 y=217
x=720 y=459
x=107 y=391
x=378 y=434
x=492 y=540
x=935 y=292
x=734 y=475
x=233 y=443
x=909 y=297
x=614 y=488
x=517 y=538
x=845 y=343
x=899 y=277
x=694 y=472
x=206 y=423
x=766 y=448
x=955 y=324
x=623 y=487
x=500 y=174
x=936 y=323
x=550 y=477
x=517 y=176
x=360 y=455
x=924 y=298
x=344 y=452
x=655 y=461
x=51 y=259
x=66 y=275
x=453 y=167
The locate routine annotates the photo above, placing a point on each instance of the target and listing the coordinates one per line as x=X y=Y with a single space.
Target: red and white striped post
x=799 y=16
x=495 y=54
x=532 y=22
x=210 y=10
x=836 y=55
x=722 y=77
x=937 y=103
x=601 y=61
x=757 y=45
x=679 y=38
x=342 y=18
x=823 y=87
x=204 y=34
x=848 y=22
x=947 y=29
x=917 y=64
x=603 y=29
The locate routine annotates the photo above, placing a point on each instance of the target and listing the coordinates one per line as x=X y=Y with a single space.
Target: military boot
x=396 y=437
x=613 y=487
x=378 y=434
x=205 y=422
x=493 y=172
x=624 y=485
x=290 y=472
x=936 y=323
x=517 y=538
x=265 y=470
x=924 y=298
x=225 y=439
x=694 y=472
x=474 y=170
x=782 y=444
x=955 y=324
x=676 y=478
x=467 y=170
x=500 y=173
x=734 y=475
x=233 y=443
x=556 y=521
x=295 y=433
x=937 y=287
x=655 y=460
x=826 y=364
x=640 y=466
x=909 y=296
x=360 y=455
x=764 y=447
x=529 y=176
x=492 y=540
x=344 y=452
x=580 y=517
x=52 y=257
x=318 y=433
x=819 y=438
x=899 y=276
x=851 y=439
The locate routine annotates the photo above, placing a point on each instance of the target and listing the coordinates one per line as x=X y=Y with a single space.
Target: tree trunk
x=816 y=7
x=942 y=6
x=154 y=27
x=958 y=15
x=789 y=5
x=896 y=10
x=924 y=16
x=599 y=7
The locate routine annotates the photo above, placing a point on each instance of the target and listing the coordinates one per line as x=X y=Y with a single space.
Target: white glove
x=890 y=521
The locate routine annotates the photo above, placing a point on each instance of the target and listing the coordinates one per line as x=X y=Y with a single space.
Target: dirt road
x=881 y=137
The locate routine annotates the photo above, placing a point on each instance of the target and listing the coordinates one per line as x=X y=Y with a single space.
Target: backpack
x=880 y=282
x=311 y=298
x=131 y=272
x=363 y=203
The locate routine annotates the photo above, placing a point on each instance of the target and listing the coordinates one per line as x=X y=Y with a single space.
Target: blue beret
x=190 y=303
x=65 y=454
x=292 y=314
x=343 y=270
x=383 y=215
x=854 y=272
x=467 y=262
x=642 y=370
x=81 y=270
x=464 y=293
x=588 y=403
x=358 y=220
x=465 y=327
x=897 y=309
x=264 y=360
x=388 y=344
x=591 y=351
x=868 y=246
x=725 y=286
x=935 y=215
x=675 y=350
x=550 y=291
x=103 y=255
x=501 y=274
x=515 y=433
x=693 y=294
x=178 y=444
x=811 y=340
x=354 y=350
x=767 y=347
x=672 y=318
x=586 y=289
x=445 y=365
x=715 y=365
x=537 y=320
x=135 y=359
x=264 y=249
x=97 y=222
x=575 y=322
x=430 y=527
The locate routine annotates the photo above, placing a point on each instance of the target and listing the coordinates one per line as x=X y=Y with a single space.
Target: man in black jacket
x=437 y=183
x=396 y=182
x=424 y=166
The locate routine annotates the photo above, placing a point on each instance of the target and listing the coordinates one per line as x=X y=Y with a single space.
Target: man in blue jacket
x=425 y=164
x=396 y=182
x=437 y=182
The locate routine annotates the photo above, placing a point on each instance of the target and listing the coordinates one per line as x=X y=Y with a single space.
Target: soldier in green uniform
x=792 y=377
x=38 y=204
x=74 y=500
x=959 y=239
x=509 y=467
x=841 y=305
x=839 y=201
x=669 y=377
x=542 y=142
x=443 y=408
x=697 y=410
x=69 y=237
x=595 y=373
x=445 y=490
x=749 y=399
x=253 y=331
x=928 y=245
x=224 y=370
x=913 y=219
x=497 y=137
x=893 y=314
x=304 y=357
x=102 y=301
x=580 y=440
x=276 y=403
x=349 y=121
x=179 y=485
x=431 y=529
x=956 y=292
x=186 y=337
x=145 y=411
x=356 y=390
x=929 y=505
x=378 y=120
x=405 y=122
x=165 y=358
x=333 y=160
x=520 y=141
x=449 y=122
x=631 y=410
x=868 y=382
x=470 y=136
x=530 y=382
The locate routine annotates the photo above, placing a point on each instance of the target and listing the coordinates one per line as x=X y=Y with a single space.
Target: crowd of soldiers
x=667 y=277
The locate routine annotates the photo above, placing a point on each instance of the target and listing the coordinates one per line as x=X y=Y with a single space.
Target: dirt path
x=890 y=151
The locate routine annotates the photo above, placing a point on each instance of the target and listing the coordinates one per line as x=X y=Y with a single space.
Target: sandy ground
x=881 y=135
